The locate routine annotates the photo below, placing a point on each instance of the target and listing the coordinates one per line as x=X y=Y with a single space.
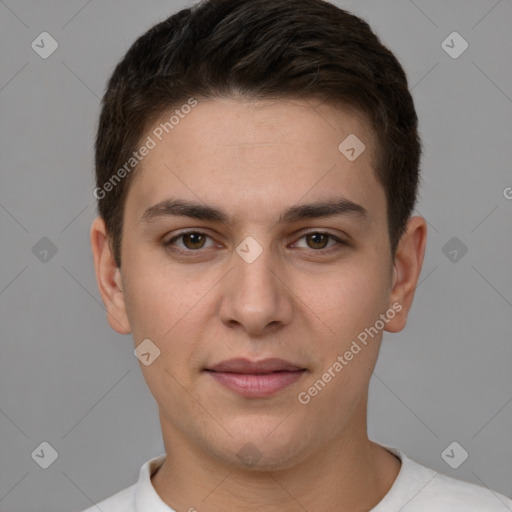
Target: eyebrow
x=320 y=209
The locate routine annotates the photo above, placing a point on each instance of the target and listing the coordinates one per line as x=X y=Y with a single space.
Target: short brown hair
x=260 y=49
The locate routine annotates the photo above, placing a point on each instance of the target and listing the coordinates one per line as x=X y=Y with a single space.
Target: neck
x=348 y=473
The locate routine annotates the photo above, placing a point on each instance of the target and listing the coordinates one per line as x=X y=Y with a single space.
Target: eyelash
x=169 y=244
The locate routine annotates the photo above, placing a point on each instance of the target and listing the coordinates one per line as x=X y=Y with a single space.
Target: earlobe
x=108 y=278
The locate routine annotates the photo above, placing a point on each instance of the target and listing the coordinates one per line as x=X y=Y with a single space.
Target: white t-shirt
x=416 y=489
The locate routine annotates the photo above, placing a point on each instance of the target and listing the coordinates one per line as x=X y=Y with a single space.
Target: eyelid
x=339 y=242
x=187 y=232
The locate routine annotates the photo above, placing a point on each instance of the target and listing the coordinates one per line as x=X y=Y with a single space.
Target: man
x=257 y=165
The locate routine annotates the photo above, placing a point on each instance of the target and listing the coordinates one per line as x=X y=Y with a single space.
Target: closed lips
x=246 y=366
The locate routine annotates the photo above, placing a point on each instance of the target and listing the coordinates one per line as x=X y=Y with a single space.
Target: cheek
x=167 y=308
x=149 y=296
x=151 y=305
x=349 y=306
x=348 y=300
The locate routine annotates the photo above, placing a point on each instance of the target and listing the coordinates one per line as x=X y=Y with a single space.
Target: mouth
x=256 y=379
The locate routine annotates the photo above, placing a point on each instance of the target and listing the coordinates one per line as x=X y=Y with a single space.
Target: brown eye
x=191 y=241
x=318 y=240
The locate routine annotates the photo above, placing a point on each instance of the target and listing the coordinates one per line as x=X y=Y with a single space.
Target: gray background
x=66 y=378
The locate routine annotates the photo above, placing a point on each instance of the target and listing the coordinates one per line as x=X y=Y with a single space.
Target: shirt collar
x=146 y=498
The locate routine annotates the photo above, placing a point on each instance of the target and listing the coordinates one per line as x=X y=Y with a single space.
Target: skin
x=296 y=301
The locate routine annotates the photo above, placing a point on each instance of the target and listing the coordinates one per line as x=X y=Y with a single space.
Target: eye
x=192 y=241
x=318 y=240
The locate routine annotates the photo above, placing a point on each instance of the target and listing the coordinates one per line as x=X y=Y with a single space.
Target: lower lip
x=257 y=386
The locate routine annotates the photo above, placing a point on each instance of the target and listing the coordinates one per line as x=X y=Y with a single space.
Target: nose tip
x=253 y=295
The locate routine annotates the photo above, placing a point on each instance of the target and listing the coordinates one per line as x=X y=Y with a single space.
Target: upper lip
x=241 y=365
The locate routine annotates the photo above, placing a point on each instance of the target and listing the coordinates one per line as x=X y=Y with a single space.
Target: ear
x=406 y=272
x=108 y=277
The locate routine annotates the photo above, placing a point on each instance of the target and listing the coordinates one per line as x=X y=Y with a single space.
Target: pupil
x=316 y=236
x=192 y=236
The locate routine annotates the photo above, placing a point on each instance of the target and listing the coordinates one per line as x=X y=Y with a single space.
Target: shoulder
x=418 y=488
x=122 y=501
x=426 y=489
x=139 y=496
x=446 y=493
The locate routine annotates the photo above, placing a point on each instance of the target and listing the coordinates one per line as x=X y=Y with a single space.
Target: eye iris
x=194 y=237
x=196 y=240
x=317 y=240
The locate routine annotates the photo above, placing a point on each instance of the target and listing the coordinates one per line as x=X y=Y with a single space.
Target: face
x=251 y=274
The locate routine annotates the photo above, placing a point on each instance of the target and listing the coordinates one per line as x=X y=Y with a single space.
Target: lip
x=242 y=365
x=256 y=379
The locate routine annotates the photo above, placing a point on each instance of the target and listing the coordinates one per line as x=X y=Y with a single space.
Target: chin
x=265 y=447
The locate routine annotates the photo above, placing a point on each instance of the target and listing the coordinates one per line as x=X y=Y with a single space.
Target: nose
x=255 y=296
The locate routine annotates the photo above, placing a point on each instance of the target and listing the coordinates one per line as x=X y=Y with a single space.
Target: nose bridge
x=254 y=295
x=253 y=264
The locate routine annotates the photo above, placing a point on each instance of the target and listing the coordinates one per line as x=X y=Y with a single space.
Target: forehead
x=250 y=155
